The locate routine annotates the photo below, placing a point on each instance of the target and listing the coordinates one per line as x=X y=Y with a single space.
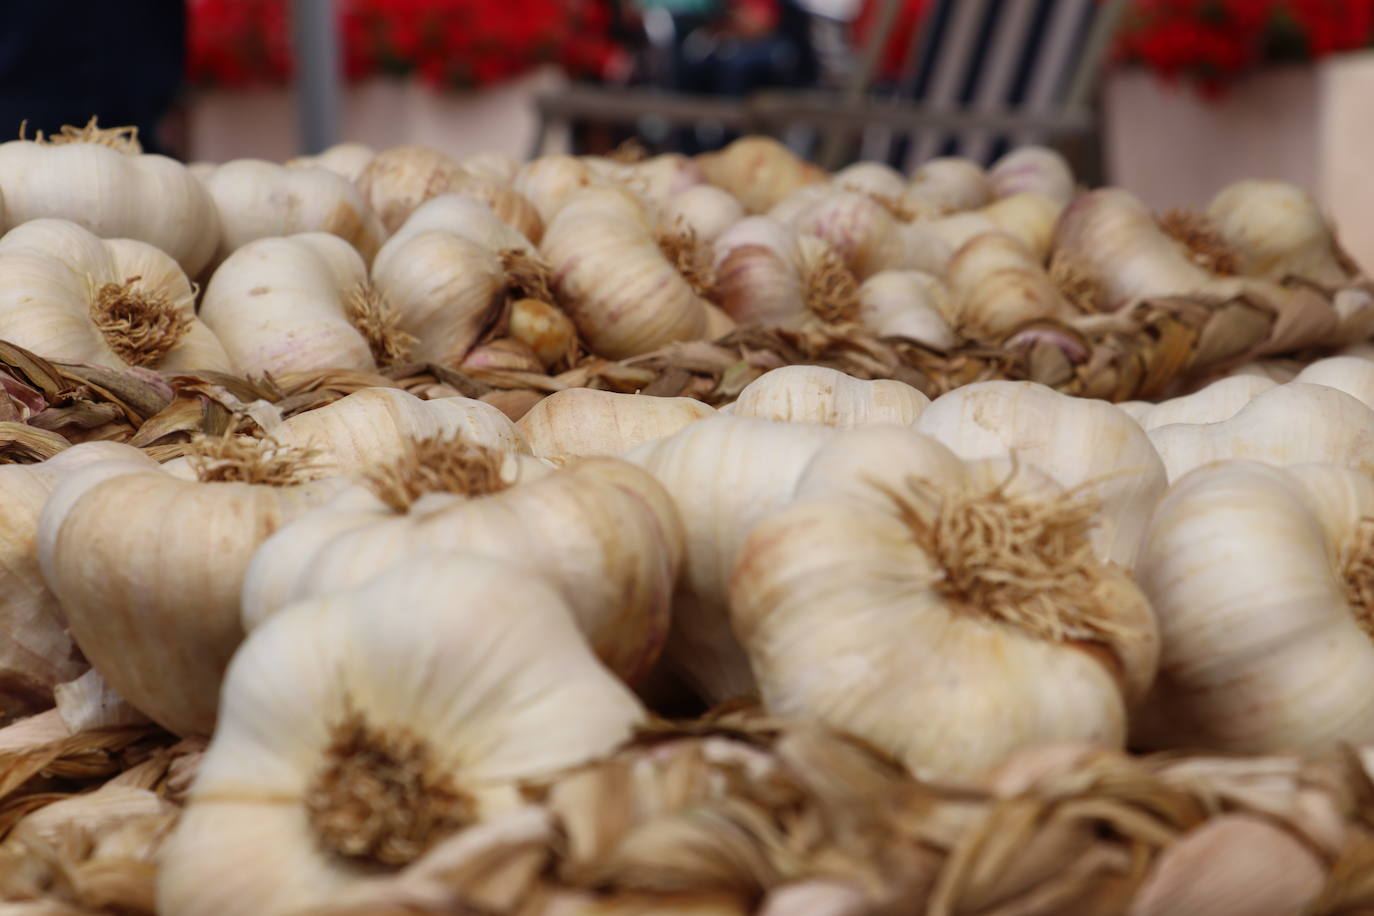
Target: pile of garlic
x=716 y=535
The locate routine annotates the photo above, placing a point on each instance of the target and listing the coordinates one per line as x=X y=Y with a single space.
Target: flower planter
x=261 y=123
x=1310 y=125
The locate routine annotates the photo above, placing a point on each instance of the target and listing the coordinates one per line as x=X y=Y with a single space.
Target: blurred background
x=1171 y=98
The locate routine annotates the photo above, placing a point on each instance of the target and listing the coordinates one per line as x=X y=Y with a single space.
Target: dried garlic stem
x=139 y=325
x=123 y=139
x=381 y=797
x=629 y=152
x=1357 y=571
x=527 y=276
x=438 y=465
x=1205 y=245
x=240 y=459
x=831 y=290
x=1079 y=286
x=1018 y=560
x=380 y=324
x=692 y=259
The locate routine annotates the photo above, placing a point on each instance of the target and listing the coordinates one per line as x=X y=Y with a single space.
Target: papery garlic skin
x=140 y=559
x=952 y=183
x=841 y=606
x=1033 y=168
x=281 y=305
x=37 y=653
x=347 y=160
x=579 y=422
x=489 y=673
x=1294 y=423
x=705 y=209
x=1080 y=442
x=724 y=474
x=909 y=304
x=1265 y=647
x=373 y=426
x=111 y=193
x=52 y=275
x=816 y=394
x=1221 y=400
x=615 y=282
x=759 y=171
x=1350 y=374
x=259 y=199
x=603 y=532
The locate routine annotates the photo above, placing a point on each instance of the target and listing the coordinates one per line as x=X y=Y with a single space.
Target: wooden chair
x=980 y=75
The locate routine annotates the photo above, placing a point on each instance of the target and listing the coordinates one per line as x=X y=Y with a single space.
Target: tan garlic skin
x=51 y=274
x=375 y=425
x=37 y=653
x=602 y=531
x=141 y=561
x=281 y=305
x=759 y=171
x=259 y=199
x=1292 y=423
x=399 y=179
x=109 y=192
x=842 y=608
x=1081 y=442
x=724 y=474
x=1259 y=577
x=579 y=422
x=620 y=289
x=816 y=394
x=347 y=160
x=489 y=674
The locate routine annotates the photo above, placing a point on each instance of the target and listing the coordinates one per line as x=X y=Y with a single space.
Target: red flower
x=465 y=42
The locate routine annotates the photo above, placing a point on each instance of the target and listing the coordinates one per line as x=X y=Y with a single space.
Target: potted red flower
x=457 y=74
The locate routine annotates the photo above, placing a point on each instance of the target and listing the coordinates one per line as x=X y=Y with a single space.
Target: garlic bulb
x=374 y=426
x=1108 y=245
x=946 y=612
x=1033 y=168
x=950 y=183
x=628 y=291
x=297 y=303
x=549 y=182
x=999 y=285
x=347 y=160
x=548 y=331
x=68 y=295
x=1350 y=374
x=491 y=165
x=1261 y=579
x=758 y=171
x=724 y=474
x=141 y=560
x=659 y=179
x=705 y=210
x=1221 y=400
x=348 y=747
x=758 y=272
x=465 y=217
x=445 y=292
x=102 y=180
x=877 y=179
x=399 y=179
x=863 y=233
x=37 y=653
x=578 y=422
x=816 y=394
x=1288 y=424
x=909 y=304
x=1278 y=233
x=1082 y=443
x=602 y=531
x=258 y=199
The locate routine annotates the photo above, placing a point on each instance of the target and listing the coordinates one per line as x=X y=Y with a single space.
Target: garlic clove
x=1233 y=865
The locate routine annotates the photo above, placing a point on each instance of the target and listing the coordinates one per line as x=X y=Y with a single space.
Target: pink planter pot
x=383 y=112
x=1312 y=126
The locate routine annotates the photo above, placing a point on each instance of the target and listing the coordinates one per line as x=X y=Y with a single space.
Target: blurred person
x=64 y=61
